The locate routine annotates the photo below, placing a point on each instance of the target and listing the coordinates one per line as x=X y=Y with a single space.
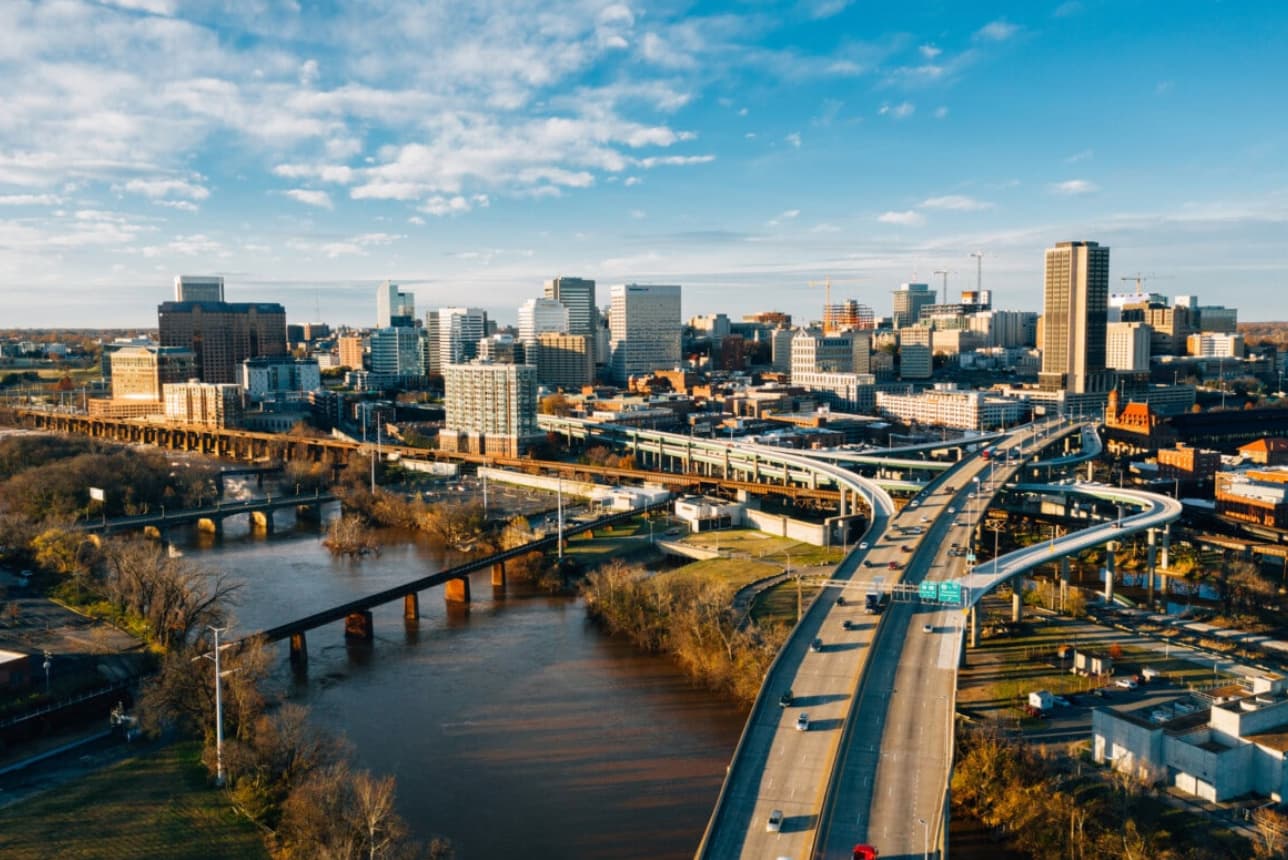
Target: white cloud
x=903 y=110
x=354 y=246
x=1064 y=10
x=1074 y=187
x=181 y=205
x=161 y=188
x=909 y=218
x=820 y=9
x=794 y=139
x=956 y=202
x=941 y=112
x=308 y=73
x=1080 y=156
x=194 y=245
x=631 y=180
x=311 y=197
x=29 y=200
x=997 y=31
x=639 y=214
x=156 y=7
x=825 y=228
x=929 y=51
x=1163 y=87
x=416 y=219
x=455 y=205
x=674 y=160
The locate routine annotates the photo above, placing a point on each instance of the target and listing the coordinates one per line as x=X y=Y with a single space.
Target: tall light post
x=925 y=842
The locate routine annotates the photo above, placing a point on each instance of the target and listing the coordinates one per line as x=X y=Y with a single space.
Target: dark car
x=816 y=645
x=785 y=699
x=847 y=624
x=840 y=601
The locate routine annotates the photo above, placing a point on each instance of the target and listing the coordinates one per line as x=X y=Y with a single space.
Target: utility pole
x=219 y=703
x=559 y=522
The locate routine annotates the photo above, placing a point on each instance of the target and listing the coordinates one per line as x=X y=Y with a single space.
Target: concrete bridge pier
x=261 y=521
x=1064 y=582
x=358 y=626
x=457 y=590
x=308 y=513
x=411 y=608
x=299 y=651
x=1017 y=602
x=973 y=639
x=154 y=533
x=1110 y=549
x=211 y=525
x=1167 y=543
x=498 y=574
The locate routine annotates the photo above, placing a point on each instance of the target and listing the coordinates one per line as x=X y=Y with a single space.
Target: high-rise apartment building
x=1075 y=305
x=491 y=408
x=266 y=378
x=459 y=333
x=909 y=299
x=844 y=352
x=538 y=316
x=198 y=288
x=203 y=403
x=433 y=353
x=394 y=308
x=916 y=352
x=645 y=329
x=564 y=360
x=578 y=296
x=139 y=372
x=221 y=335
x=1127 y=346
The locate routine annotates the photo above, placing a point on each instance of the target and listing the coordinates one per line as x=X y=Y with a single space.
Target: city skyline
x=741 y=153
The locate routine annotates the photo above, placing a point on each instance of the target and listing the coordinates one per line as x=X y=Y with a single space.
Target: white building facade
x=645 y=329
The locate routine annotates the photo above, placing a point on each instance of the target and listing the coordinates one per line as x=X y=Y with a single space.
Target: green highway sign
x=928 y=591
x=950 y=592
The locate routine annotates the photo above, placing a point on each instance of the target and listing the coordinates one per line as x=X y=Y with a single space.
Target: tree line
x=689 y=618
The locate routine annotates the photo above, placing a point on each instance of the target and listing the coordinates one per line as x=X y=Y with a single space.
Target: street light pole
x=219 y=705
x=925 y=843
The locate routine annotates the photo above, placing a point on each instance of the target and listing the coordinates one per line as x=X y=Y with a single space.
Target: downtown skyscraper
x=1074 y=314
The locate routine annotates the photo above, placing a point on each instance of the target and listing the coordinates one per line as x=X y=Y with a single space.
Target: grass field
x=732 y=572
x=155 y=806
x=757 y=544
x=778 y=604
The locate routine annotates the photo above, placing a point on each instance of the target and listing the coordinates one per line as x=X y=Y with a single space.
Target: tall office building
x=1127 y=346
x=459 y=333
x=396 y=351
x=351 y=351
x=578 y=296
x=221 y=335
x=645 y=329
x=491 y=408
x=564 y=360
x=198 y=288
x=210 y=405
x=916 y=352
x=1075 y=307
x=538 y=316
x=394 y=308
x=909 y=299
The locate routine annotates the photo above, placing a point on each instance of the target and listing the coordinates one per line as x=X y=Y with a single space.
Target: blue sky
x=470 y=150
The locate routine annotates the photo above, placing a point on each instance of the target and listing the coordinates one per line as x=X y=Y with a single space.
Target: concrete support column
x=1064 y=583
x=844 y=512
x=1109 y=572
x=498 y=574
x=457 y=590
x=299 y=650
x=211 y=525
x=973 y=639
x=411 y=607
x=358 y=626
x=1017 y=602
x=261 y=521
x=1167 y=542
x=1150 y=552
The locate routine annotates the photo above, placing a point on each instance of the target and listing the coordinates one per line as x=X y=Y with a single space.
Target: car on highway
x=927 y=628
x=816 y=645
x=1060 y=701
x=1125 y=683
x=840 y=601
x=785 y=700
x=894 y=565
x=925 y=519
x=952 y=511
x=905 y=548
x=847 y=624
x=867 y=562
x=864 y=852
x=802 y=723
x=775 y=822
x=864 y=545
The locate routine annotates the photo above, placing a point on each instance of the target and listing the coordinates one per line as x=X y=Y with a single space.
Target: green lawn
x=778 y=604
x=733 y=572
x=155 y=806
x=757 y=544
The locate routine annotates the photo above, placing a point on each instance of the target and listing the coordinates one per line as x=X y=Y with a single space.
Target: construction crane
x=945 y=274
x=1140 y=280
x=826 y=283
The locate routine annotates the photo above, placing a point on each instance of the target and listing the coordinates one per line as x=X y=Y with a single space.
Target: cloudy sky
x=470 y=150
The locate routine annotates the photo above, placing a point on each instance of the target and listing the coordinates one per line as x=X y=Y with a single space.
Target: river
x=516 y=728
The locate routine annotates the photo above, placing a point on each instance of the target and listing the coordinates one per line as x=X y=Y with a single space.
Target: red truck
x=864 y=852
